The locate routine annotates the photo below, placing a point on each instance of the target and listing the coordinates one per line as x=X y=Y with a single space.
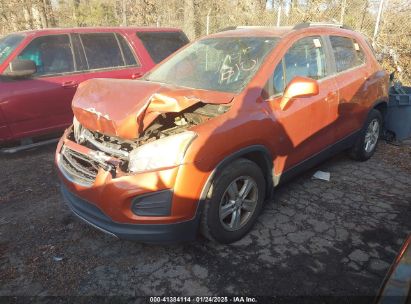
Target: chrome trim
x=74 y=171
x=69 y=177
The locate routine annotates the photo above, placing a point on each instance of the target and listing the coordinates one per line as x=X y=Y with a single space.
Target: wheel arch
x=381 y=106
x=259 y=154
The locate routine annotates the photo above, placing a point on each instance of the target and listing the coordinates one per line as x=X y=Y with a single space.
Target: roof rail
x=239 y=27
x=311 y=24
x=228 y=28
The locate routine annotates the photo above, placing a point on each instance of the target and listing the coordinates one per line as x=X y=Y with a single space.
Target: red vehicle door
x=8 y=45
x=41 y=104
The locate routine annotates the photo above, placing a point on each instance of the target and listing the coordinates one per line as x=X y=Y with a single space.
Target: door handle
x=136 y=75
x=69 y=84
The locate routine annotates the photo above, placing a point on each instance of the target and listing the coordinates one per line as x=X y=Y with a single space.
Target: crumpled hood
x=125 y=108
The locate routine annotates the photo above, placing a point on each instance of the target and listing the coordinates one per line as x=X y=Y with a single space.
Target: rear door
x=160 y=45
x=42 y=103
x=350 y=76
x=106 y=55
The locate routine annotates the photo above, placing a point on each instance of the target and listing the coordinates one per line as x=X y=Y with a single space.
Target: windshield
x=221 y=64
x=8 y=44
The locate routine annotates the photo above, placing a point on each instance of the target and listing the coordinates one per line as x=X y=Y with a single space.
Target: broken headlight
x=78 y=131
x=162 y=153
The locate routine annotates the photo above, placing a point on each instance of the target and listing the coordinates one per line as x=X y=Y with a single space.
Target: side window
x=102 y=50
x=278 y=79
x=345 y=53
x=162 y=44
x=51 y=54
x=81 y=61
x=306 y=58
x=129 y=57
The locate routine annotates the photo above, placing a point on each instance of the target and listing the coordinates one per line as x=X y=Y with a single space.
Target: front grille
x=79 y=167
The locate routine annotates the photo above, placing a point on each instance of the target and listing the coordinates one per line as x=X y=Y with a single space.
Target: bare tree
x=191 y=15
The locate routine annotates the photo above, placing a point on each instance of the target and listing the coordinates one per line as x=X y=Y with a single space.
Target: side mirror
x=21 y=68
x=299 y=87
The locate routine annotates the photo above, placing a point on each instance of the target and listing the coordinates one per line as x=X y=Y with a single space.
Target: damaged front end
x=161 y=141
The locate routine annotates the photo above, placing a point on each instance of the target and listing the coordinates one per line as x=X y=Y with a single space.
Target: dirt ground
x=314 y=238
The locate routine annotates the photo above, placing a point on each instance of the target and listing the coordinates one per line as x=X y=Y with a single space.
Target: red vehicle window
x=129 y=58
x=162 y=44
x=8 y=44
x=102 y=50
x=81 y=62
x=51 y=54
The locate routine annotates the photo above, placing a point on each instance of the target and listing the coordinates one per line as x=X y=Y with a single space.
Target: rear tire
x=234 y=202
x=367 y=141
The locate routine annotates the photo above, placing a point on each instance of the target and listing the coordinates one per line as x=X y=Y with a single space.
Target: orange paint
x=312 y=115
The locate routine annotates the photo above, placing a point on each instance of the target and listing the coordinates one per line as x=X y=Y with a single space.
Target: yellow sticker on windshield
x=356 y=46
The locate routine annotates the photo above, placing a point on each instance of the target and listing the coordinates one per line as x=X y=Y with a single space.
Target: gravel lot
x=314 y=238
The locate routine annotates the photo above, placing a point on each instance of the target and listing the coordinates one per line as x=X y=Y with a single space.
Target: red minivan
x=41 y=69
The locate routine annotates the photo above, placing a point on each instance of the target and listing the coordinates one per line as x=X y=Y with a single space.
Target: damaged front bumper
x=149 y=206
x=147 y=233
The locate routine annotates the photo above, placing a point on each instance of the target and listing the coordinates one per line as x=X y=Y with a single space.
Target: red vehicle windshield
x=8 y=45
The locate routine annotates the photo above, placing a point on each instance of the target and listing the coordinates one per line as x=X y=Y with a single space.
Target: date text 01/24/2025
x=202 y=299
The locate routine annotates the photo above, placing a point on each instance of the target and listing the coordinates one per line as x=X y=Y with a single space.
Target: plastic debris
x=57 y=258
x=322 y=175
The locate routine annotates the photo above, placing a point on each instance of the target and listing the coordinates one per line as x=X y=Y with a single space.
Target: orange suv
x=201 y=141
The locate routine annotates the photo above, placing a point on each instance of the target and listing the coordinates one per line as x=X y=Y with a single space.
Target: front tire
x=367 y=141
x=234 y=202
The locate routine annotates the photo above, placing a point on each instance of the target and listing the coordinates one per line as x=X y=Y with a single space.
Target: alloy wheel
x=372 y=135
x=238 y=203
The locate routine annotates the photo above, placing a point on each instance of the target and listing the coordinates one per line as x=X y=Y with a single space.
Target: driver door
x=42 y=103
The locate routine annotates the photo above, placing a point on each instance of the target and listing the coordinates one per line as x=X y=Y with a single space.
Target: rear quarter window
x=162 y=44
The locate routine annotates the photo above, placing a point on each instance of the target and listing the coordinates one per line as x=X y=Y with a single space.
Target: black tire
x=211 y=226
x=358 y=151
